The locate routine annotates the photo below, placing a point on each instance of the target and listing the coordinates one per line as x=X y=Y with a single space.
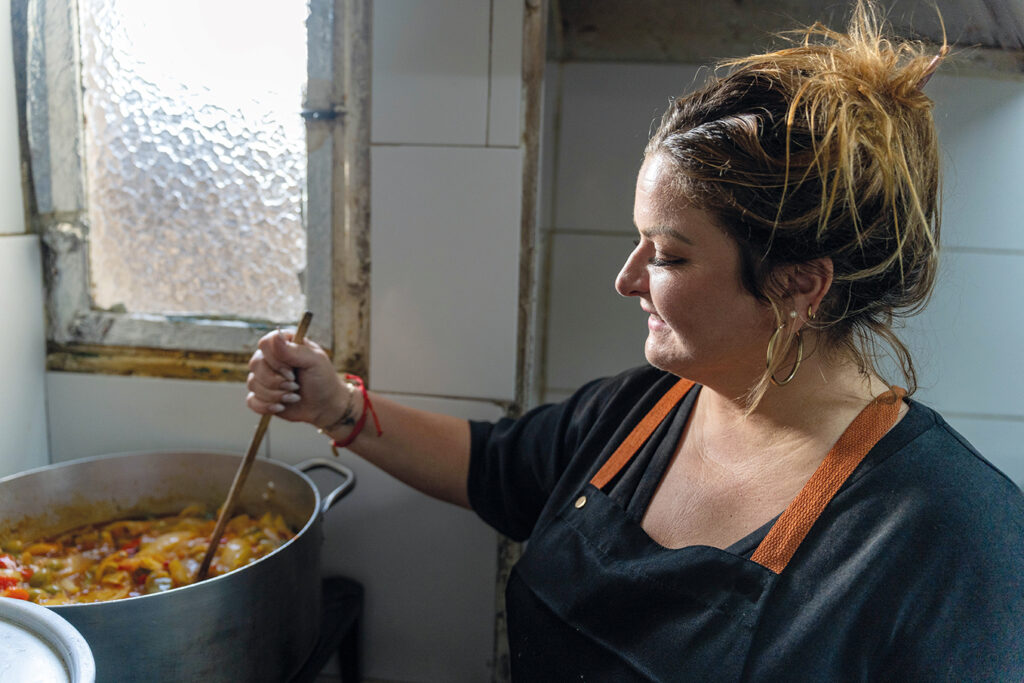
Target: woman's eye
x=659 y=261
x=662 y=262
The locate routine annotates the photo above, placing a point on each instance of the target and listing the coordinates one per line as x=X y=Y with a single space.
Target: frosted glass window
x=195 y=155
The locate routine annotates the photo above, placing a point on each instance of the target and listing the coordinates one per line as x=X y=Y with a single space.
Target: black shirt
x=914 y=570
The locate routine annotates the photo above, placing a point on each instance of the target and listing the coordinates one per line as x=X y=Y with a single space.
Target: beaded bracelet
x=357 y=381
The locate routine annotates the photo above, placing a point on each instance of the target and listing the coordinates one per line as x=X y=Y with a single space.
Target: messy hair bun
x=826 y=148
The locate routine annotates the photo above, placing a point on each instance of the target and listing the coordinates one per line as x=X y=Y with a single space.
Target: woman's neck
x=800 y=418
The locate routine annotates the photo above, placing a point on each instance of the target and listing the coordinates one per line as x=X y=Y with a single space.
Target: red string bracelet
x=357 y=381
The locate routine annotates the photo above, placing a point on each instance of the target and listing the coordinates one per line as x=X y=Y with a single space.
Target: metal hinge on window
x=322 y=114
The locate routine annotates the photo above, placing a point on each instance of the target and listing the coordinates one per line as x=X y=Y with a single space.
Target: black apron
x=594 y=598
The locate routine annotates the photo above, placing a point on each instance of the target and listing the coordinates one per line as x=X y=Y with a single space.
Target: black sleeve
x=515 y=464
x=967 y=620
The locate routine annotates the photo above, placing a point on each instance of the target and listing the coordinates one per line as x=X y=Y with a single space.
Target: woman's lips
x=654 y=321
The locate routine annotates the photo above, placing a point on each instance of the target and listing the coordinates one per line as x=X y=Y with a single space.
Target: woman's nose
x=632 y=279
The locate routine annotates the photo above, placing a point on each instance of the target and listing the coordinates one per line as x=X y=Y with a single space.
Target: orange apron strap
x=864 y=432
x=632 y=443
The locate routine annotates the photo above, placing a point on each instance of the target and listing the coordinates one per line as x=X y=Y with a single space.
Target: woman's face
x=685 y=270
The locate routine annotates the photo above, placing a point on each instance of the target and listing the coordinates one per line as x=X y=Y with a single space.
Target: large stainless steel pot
x=258 y=623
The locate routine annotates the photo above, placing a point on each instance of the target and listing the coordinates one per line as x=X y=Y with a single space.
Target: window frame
x=336 y=111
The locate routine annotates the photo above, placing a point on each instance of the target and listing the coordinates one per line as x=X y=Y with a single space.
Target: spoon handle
x=243 y=472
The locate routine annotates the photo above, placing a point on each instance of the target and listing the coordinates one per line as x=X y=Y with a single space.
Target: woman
x=781 y=512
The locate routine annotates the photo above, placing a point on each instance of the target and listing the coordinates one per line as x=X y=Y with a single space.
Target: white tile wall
x=12 y=218
x=97 y=414
x=444 y=302
x=607 y=113
x=980 y=122
x=444 y=282
x=969 y=339
x=23 y=442
x=506 y=73
x=430 y=71
x=591 y=331
x=428 y=567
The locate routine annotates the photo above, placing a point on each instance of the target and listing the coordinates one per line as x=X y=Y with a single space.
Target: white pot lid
x=38 y=645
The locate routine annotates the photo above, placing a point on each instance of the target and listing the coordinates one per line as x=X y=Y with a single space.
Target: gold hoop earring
x=771 y=349
x=810 y=312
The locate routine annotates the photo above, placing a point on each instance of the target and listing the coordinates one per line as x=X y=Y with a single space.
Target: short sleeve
x=516 y=464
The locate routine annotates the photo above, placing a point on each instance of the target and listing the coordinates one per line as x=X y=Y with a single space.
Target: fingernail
x=289 y=375
x=291 y=398
x=289 y=386
x=276 y=408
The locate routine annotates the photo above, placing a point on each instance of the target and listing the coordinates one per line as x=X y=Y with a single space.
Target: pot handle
x=338 y=493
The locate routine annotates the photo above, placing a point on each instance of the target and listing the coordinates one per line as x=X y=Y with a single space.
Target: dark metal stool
x=341 y=612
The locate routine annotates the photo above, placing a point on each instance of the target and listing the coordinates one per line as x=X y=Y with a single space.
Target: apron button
x=580 y=502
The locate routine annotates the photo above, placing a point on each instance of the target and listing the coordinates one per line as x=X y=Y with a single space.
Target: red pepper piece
x=18 y=593
x=132 y=547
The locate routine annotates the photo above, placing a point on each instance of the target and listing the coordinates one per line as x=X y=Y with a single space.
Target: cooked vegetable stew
x=127 y=558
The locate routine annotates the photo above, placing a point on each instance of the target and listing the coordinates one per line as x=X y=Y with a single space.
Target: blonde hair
x=823 y=149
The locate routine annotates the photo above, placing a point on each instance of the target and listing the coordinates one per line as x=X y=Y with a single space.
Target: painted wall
x=966 y=344
x=23 y=348
x=446 y=193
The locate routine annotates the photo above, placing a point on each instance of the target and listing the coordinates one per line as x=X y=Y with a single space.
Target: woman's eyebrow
x=665 y=231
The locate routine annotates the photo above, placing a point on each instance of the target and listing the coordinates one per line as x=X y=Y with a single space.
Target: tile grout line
x=442 y=145
x=985 y=251
x=490 y=75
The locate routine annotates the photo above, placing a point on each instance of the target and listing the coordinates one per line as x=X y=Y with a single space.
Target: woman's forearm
x=425 y=450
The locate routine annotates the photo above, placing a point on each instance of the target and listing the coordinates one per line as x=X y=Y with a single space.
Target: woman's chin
x=658 y=358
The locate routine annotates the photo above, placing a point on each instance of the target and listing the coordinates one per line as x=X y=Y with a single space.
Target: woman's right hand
x=296 y=382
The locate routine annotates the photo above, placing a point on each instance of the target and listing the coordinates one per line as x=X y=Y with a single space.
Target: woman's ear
x=805 y=284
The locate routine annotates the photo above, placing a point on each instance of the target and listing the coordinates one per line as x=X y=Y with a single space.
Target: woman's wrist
x=348 y=415
x=348 y=424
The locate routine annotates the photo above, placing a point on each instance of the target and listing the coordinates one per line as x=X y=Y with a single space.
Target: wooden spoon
x=243 y=472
